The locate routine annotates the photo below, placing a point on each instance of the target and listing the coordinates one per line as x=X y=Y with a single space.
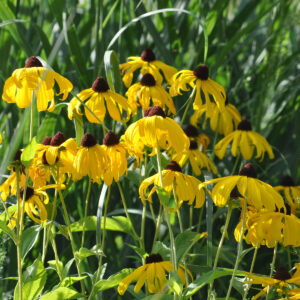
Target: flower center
x=153 y=258
x=201 y=72
x=29 y=192
x=156 y=111
x=191 y=131
x=46 y=141
x=58 y=139
x=287 y=181
x=174 y=166
x=32 y=61
x=244 y=125
x=193 y=145
x=100 y=85
x=88 y=140
x=248 y=170
x=148 y=80
x=148 y=55
x=18 y=155
x=282 y=274
x=111 y=139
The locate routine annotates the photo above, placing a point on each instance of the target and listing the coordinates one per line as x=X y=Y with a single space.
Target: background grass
x=252 y=50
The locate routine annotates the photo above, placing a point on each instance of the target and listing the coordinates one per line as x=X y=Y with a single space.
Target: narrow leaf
x=28 y=153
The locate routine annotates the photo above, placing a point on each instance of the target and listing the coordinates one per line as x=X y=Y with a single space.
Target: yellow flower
x=156 y=130
x=186 y=187
x=153 y=273
x=258 y=193
x=267 y=228
x=148 y=64
x=90 y=159
x=281 y=280
x=200 y=78
x=244 y=140
x=293 y=294
x=116 y=153
x=97 y=96
x=228 y=119
x=149 y=89
x=38 y=80
x=291 y=193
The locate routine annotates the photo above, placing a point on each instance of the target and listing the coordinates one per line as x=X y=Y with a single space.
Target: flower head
x=90 y=160
x=36 y=80
x=186 y=187
x=148 y=64
x=153 y=273
x=199 y=77
x=156 y=131
x=244 y=140
x=96 y=97
x=149 y=89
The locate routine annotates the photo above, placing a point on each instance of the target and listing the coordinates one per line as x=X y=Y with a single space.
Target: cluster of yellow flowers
x=268 y=218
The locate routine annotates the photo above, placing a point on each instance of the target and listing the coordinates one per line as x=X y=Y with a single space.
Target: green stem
x=7 y=214
x=142 y=237
x=215 y=139
x=236 y=163
x=102 y=243
x=68 y=223
x=189 y=101
x=126 y=212
x=85 y=210
x=272 y=267
x=191 y=218
x=200 y=219
x=55 y=255
x=158 y=222
x=240 y=248
x=251 y=270
x=220 y=247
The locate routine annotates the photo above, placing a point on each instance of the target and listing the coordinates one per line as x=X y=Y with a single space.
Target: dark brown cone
x=100 y=85
x=193 y=145
x=156 y=111
x=191 y=131
x=146 y=112
x=248 y=170
x=201 y=72
x=46 y=141
x=18 y=155
x=32 y=61
x=287 y=181
x=148 y=55
x=282 y=274
x=148 y=80
x=29 y=192
x=88 y=140
x=174 y=166
x=58 y=139
x=111 y=139
x=153 y=258
x=244 y=125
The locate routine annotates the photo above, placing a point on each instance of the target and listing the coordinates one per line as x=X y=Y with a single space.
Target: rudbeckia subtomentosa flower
x=157 y=131
x=153 y=273
x=200 y=78
x=36 y=80
x=95 y=98
x=149 y=89
x=291 y=193
x=281 y=280
x=225 y=121
x=186 y=187
x=197 y=159
x=116 y=154
x=90 y=160
x=259 y=194
x=244 y=140
x=148 y=64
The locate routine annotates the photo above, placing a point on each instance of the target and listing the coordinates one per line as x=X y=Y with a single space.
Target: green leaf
x=52 y=265
x=162 y=195
x=84 y=252
x=70 y=280
x=141 y=252
x=159 y=297
x=61 y=293
x=28 y=153
x=67 y=267
x=207 y=278
x=29 y=239
x=79 y=130
x=34 y=279
x=112 y=281
x=185 y=241
x=162 y=249
x=111 y=64
x=11 y=210
x=8 y=231
x=210 y=21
